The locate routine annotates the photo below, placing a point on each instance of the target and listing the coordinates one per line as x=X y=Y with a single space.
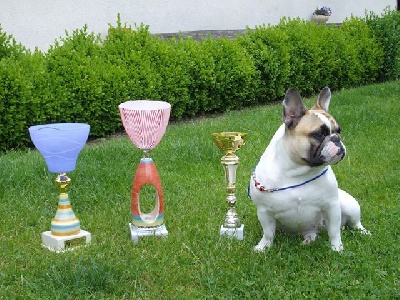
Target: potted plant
x=321 y=15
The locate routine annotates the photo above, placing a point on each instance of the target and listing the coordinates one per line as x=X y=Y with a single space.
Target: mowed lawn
x=194 y=262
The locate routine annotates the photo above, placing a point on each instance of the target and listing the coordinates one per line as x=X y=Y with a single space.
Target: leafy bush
x=235 y=75
x=9 y=47
x=75 y=78
x=23 y=98
x=386 y=30
x=305 y=53
x=194 y=77
x=129 y=51
x=308 y=56
x=153 y=69
x=17 y=76
x=269 y=48
x=169 y=63
x=369 y=55
x=83 y=78
x=14 y=99
x=200 y=69
x=84 y=85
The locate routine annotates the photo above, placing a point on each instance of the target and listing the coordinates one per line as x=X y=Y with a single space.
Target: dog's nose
x=341 y=152
x=335 y=138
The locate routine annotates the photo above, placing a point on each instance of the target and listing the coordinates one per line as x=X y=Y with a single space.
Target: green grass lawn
x=194 y=262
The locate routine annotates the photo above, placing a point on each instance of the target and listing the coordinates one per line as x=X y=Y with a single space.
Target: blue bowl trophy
x=60 y=145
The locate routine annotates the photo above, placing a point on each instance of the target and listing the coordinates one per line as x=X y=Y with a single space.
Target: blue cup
x=60 y=144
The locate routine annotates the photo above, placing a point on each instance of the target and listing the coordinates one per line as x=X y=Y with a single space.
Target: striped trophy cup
x=60 y=145
x=145 y=122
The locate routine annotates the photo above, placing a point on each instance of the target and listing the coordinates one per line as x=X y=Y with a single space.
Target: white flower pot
x=320 y=19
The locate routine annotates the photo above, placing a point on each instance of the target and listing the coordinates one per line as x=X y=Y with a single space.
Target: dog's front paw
x=259 y=249
x=337 y=248
x=264 y=243
x=365 y=232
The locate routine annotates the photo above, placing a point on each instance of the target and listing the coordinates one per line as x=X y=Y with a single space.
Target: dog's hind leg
x=351 y=212
x=309 y=236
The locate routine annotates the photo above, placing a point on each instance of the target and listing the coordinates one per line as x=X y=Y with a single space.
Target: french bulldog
x=293 y=185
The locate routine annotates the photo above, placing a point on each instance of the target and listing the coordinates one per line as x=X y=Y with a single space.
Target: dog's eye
x=338 y=130
x=318 y=135
x=321 y=133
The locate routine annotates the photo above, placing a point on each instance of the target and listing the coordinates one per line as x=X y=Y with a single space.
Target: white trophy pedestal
x=63 y=243
x=237 y=233
x=139 y=232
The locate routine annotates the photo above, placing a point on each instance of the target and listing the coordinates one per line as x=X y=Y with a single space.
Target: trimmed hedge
x=83 y=78
x=386 y=31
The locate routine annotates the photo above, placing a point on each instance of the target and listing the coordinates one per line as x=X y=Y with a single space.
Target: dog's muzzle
x=334 y=151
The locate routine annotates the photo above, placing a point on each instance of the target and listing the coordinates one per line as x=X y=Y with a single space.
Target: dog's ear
x=293 y=108
x=324 y=98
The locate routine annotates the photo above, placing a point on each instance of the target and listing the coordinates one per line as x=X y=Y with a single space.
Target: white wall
x=37 y=23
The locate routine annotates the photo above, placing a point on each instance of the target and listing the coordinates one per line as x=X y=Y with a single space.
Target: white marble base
x=139 y=232
x=237 y=233
x=62 y=243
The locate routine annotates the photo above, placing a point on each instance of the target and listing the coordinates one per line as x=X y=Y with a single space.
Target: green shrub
x=127 y=50
x=152 y=68
x=169 y=63
x=194 y=77
x=40 y=107
x=269 y=48
x=235 y=75
x=71 y=77
x=200 y=69
x=386 y=30
x=339 y=59
x=24 y=98
x=9 y=47
x=19 y=75
x=368 y=55
x=83 y=78
x=80 y=78
x=15 y=97
x=305 y=54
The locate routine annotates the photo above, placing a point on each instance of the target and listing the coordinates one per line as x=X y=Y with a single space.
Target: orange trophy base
x=147 y=224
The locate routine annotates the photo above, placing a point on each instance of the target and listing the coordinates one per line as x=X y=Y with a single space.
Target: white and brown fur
x=305 y=144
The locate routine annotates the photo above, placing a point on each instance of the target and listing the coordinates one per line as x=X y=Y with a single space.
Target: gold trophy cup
x=229 y=143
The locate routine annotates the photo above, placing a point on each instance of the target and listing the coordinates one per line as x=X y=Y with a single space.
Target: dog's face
x=313 y=135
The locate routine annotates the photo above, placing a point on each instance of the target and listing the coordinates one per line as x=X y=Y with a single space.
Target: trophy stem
x=146 y=153
x=229 y=143
x=65 y=223
x=152 y=223
x=65 y=226
x=231 y=218
x=230 y=164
